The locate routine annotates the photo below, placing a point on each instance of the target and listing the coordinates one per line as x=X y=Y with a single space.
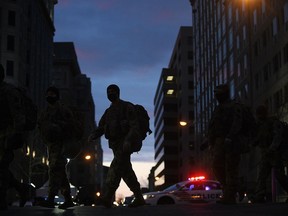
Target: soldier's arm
x=99 y=131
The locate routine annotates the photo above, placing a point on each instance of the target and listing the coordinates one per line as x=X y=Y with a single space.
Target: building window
x=244 y=32
x=11 y=18
x=275 y=26
x=276 y=62
x=264 y=39
x=285 y=50
x=286 y=13
x=190 y=55
x=255 y=18
x=191 y=70
x=278 y=99
x=10 y=68
x=10 y=43
x=263 y=6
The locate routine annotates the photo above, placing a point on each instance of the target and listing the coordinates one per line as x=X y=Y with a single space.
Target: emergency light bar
x=197 y=178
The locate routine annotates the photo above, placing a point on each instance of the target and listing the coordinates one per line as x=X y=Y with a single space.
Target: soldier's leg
x=232 y=168
x=112 y=180
x=130 y=179
x=264 y=172
x=218 y=161
x=66 y=190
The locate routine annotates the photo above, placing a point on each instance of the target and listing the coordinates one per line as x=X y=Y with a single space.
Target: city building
x=173 y=102
x=75 y=90
x=26 y=52
x=244 y=44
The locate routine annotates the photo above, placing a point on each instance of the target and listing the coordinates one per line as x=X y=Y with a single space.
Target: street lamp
x=88 y=157
x=183 y=123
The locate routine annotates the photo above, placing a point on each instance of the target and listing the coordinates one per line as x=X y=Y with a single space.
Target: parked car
x=196 y=189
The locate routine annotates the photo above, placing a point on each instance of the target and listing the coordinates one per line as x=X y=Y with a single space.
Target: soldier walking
x=120 y=131
x=12 y=137
x=269 y=139
x=53 y=124
x=224 y=136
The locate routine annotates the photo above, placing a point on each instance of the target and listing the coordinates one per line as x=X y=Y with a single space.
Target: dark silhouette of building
x=75 y=90
x=174 y=103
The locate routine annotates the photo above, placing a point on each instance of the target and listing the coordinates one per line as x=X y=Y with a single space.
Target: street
x=203 y=209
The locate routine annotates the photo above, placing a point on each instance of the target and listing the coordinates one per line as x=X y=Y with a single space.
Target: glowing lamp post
x=87 y=157
x=183 y=123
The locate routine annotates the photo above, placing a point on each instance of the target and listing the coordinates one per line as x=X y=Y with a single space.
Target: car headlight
x=148 y=196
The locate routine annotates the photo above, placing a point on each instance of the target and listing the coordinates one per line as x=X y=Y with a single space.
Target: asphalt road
x=211 y=209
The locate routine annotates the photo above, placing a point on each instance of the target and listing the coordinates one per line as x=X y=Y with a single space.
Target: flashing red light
x=197 y=178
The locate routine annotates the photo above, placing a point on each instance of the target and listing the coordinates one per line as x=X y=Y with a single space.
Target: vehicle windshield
x=175 y=186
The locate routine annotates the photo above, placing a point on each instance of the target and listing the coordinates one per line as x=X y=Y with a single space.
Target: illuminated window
x=170 y=78
x=170 y=92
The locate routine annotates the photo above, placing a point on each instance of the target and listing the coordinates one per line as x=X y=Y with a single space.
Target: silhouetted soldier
x=53 y=124
x=12 y=136
x=120 y=135
x=269 y=138
x=223 y=135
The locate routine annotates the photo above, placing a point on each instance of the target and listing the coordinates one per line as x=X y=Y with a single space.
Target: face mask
x=112 y=97
x=221 y=97
x=51 y=99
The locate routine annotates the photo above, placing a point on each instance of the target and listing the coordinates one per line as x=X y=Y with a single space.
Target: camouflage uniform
x=269 y=138
x=224 y=137
x=52 y=122
x=119 y=124
x=11 y=137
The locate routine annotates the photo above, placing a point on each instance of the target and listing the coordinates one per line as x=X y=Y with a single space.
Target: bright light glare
x=183 y=123
x=88 y=157
x=197 y=178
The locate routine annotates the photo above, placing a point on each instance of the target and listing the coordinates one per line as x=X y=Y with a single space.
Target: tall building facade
x=174 y=145
x=75 y=91
x=244 y=44
x=26 y=52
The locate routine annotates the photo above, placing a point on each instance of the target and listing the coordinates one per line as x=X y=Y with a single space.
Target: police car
x=196 y=189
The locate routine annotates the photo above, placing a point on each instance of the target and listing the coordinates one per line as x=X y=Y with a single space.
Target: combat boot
x=24 y=194
x=106 y=200
x=138 y=200
x=68 y=202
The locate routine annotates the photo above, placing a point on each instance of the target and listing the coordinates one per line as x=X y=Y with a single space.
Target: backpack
x=29 y=109
x=143 y=120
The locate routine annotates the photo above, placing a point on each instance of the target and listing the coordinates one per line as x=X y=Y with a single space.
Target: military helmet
x=221 y=89
x=53 y=89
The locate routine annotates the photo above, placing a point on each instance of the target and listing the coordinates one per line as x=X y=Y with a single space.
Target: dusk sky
x=126 y=42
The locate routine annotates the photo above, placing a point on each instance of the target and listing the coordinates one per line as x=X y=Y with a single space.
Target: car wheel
x=165 y=201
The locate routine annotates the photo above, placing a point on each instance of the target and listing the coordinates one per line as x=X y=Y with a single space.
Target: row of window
x=271 y=67
x=278 y=100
